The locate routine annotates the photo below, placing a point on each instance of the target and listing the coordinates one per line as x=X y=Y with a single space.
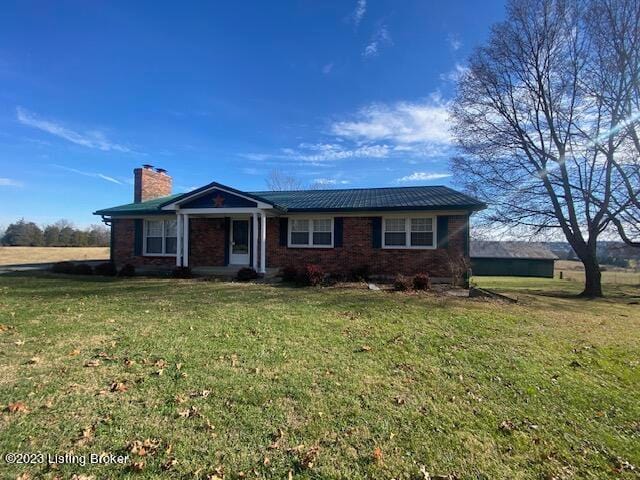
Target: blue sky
x=349 y=93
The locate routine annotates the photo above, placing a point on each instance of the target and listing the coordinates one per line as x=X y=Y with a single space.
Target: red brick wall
x=149 y=184
x=206 y=242
x=207 y=245
x=124 y=247
x=357 y=250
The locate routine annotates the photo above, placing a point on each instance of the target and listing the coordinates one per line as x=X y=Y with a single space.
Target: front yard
x=197 y=379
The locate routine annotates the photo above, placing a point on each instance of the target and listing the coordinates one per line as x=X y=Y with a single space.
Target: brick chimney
x=150 y=183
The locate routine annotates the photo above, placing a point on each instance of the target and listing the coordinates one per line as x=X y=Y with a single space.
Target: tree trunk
x=592 y=282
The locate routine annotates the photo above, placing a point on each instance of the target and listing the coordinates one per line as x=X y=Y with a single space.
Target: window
x=299 y=232
x=160 y=237
x=311 y=232
x=422 y=232
x=394 y=232
x=322 y=231
x=404 y=232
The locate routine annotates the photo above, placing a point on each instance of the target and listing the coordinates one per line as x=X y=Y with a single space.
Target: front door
x=239 y=238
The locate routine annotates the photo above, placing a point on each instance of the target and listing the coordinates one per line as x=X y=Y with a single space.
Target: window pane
x=394 y=239
x=323 y=225
x=322 y=238
x=154 y=228
x=154 y=244
x=299 y=238
x=170 y=228
x=394 y=224
x=171 y=244
x=422 y=239
x=421 y=225
x=299 y=225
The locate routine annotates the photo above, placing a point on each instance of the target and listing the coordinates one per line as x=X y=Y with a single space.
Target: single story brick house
x=218 y=229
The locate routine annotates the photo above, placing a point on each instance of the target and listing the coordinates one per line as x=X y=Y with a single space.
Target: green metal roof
x=150 y=206
x=339 y=200
x=354 y=199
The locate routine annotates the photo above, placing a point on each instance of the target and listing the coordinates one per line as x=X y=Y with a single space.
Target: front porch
x=221 y=240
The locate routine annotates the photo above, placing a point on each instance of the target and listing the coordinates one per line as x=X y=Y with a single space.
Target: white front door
x=239 y=242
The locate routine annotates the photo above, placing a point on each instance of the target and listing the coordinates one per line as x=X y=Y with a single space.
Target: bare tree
x=613 y=80
x=279 y=181
x=541 y=140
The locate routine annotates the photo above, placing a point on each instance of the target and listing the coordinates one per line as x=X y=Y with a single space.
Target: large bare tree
x=547 y=120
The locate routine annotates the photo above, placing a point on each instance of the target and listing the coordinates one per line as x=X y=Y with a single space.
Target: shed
x=513 y=259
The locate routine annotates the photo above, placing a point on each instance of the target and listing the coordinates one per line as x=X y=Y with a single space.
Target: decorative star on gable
x=219 y=201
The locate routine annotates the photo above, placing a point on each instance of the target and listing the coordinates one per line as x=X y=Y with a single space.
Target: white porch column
x=254 y=239
x=179 y=240
x=185 y=240
x=263 y=243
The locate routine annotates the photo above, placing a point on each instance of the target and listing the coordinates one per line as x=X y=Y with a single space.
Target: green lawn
x=250 y=381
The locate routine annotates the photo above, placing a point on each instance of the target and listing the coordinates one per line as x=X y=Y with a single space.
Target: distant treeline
x=60 y=234
x=609 y=253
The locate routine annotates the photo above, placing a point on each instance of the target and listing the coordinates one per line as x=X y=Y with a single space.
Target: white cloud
x=10 y=182
x=90 y=139
x=454 y=74
x=317 y=153
x=258 y=157
x=326 y=69
x=423 y=176
x=380 y=38
x=88 y=174
x=454 y=41
x=424 y=122
x=409 y=132
x=329 y=181
x=360 y=10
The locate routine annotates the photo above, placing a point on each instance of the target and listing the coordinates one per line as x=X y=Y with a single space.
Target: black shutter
x=137 y=238
x=443 y=231
x=284 y=231
x=227 y=230
x=337 y=231
x=376 y=232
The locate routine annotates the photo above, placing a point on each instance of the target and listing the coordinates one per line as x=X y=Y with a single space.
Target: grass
x=20 y=255
x=257 y=381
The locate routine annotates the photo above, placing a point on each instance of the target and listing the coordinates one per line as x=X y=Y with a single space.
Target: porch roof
x=338 y=200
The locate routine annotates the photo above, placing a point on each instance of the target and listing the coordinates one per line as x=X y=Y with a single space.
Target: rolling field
x=22 y=255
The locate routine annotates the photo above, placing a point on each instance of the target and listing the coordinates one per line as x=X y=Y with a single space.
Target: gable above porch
x=217 y=196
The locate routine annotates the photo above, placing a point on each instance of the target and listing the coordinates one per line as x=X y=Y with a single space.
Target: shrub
x=245 y=274
x=181 y=272
x=311 y=275
x=127 y=270
x=422 y=281
x=361 y=273
x=82 y=269
x=289 y=274
x=402 y=283
x=106 y=269
x=63 y=267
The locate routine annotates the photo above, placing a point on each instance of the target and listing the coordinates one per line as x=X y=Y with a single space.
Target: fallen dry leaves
x=17 y=407
x=377 y=456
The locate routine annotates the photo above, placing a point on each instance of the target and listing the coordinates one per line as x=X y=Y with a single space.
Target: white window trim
x=164 y=237
x=310 y=219
x=407 y=232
